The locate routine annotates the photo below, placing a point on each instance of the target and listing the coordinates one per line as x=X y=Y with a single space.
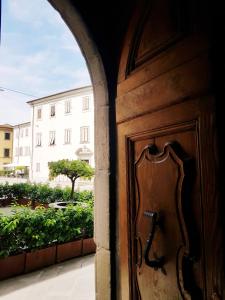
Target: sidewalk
x=71 y=280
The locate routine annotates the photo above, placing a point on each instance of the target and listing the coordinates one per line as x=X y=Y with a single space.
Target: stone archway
x=102 y=158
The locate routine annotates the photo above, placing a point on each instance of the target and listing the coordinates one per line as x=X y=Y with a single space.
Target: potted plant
x=89 y=246
x=68 y=250
x=40 y=258
x=38 y=230
x=32 y=239
x=12 y=265
x=12 y=257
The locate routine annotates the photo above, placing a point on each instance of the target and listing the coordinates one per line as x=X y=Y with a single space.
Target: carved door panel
x=166 y=138
x=163 y=188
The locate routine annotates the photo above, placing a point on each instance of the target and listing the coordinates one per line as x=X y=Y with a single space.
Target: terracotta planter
x=12 y=266
x=41 y=204
x=88 y=246
x=23 y=201
x=68 y=250
x=40 y=258
x=5 y=202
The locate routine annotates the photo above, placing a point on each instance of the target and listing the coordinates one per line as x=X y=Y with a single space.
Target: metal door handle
x=158 y=262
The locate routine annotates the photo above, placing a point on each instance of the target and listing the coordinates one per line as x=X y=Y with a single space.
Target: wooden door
x=166 y=157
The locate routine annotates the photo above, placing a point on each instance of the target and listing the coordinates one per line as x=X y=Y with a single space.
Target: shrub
x=66 y=194
x=30 y=229
x=32 y=192
x=14 y=191
x=9 y=243
x=7 y=191
x=37 y=228
x=57 y=194
x=19 y=190
x=42 y=193
x=2 y=193
x=84 y=196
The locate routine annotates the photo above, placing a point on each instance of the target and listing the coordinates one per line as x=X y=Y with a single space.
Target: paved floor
x=8 y=210
x=71 y=280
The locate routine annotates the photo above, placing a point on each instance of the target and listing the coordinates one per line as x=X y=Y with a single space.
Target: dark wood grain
x=164 y=94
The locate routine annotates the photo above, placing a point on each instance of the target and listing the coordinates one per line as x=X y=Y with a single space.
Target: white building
x=22 y=145
x=62 y=128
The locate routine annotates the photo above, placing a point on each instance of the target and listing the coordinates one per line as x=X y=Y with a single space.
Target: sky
x=38 y=57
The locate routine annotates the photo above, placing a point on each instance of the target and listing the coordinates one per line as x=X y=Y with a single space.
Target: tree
x=73 y=169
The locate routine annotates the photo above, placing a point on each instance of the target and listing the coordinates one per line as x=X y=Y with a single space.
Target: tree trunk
x=72 y=189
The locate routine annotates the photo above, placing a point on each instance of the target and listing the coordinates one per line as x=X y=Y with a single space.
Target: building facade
x=62 y=127
x=22 y=145
x=6 y=145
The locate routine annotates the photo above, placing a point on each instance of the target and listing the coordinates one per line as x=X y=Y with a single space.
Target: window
x=27 y=132
x=38 y=139
x=38 y=167
x=7 y=136
x=21 y=132
x=51 y=138
x=39 y=113
x=85 y=103
x=6 y=152
x=84 y=135
x=21 y=151
x=67 y=107
x=17 y=133
x=67 y=136
x=52 y=110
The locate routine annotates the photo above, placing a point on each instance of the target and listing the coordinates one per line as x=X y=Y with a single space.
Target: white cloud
x=14 y=108
x=40 y=62
x=68 y=42
x=35 y=12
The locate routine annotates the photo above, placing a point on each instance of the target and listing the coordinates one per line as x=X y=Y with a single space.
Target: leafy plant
x=84 y=196
x=30 y=229
x=9 y=243
x=41 y=193
x=73 y=169
x=19 y=191
x=57 y=194
x=7 y=191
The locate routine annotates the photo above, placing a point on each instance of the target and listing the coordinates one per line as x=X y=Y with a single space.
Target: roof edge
x=20 y=124
x=6 y=126
x=49 y=97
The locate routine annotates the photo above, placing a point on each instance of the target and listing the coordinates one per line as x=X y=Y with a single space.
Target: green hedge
x=30 y=229
x=42 y=193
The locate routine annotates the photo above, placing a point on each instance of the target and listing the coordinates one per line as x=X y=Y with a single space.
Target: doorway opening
x=102 y=158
